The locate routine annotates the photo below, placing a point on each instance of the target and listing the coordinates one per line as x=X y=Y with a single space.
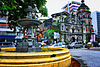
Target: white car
x=58 y=45
x=63 y=43
x=75 y=45
x=78 y=45
x=99 y=44
x=72 y=44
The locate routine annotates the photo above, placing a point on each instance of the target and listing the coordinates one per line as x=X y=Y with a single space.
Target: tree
x=50 y=35
x=54 y=28
x=15 y=9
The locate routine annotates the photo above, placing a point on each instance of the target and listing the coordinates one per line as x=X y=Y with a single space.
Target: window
x=72 y=30
x=66 y=29
x=78 y=30
x=62 y=27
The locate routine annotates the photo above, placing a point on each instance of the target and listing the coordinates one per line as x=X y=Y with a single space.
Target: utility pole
x=82 y=31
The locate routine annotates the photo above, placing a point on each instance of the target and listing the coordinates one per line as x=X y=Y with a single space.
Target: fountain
x=27 y=42
x=29 y=54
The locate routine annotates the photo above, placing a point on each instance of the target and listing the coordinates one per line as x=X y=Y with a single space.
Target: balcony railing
x=10 y=34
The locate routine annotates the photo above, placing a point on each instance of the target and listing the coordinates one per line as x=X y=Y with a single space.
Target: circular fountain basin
x=29 y=22
x=54 y=57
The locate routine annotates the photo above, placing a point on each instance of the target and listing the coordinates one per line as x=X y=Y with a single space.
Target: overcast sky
x=54 y=6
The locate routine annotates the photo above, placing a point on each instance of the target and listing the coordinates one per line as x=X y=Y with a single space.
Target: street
x=88 y=58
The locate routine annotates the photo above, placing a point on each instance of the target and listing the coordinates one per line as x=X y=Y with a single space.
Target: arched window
x=62 y=27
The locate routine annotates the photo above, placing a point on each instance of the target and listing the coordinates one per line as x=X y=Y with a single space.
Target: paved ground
x=89 y=58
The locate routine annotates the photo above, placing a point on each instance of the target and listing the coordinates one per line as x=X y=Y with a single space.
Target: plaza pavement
x=87 y=58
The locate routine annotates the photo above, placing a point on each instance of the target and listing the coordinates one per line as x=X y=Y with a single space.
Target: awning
x=7 y=36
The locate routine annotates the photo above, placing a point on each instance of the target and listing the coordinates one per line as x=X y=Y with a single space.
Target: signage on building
x=93 y=37
x=3 y=19
x=56 y=35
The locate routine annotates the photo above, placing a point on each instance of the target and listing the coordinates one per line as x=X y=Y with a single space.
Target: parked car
x=98 y=44
x=71 y=45
x=94 y=44
x=40 y=44
x=78 y=45
x=63 y=43
x=75 y=45
x=58 y=45
x=45 y=40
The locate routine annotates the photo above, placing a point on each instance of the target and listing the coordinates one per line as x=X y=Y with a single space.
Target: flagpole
x=68 y=6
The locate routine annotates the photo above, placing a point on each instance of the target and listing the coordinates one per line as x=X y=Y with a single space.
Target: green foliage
x=60 y=40
x=87 y=41
x=57 y=21
x=54 y=28
x=82 y=41
x=43 y=11
x=66 y=42
x=49 y=34
x=16 y=8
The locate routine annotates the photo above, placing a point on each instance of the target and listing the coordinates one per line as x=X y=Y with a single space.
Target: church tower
x=85 y=20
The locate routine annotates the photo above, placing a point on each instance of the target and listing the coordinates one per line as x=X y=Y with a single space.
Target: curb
x=78 y=59
x=74 y=63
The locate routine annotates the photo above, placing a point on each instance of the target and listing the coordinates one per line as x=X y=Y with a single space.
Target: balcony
x=9 y=34
x=3 y=21
x=77 y=33
x=6 y=29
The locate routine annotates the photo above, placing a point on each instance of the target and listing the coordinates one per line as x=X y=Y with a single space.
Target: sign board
x=56 y=35
x=93 y=37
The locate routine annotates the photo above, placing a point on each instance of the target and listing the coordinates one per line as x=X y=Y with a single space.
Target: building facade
x=6 y=34
x=85 y=19
x=96 y=23
x=76 y=26
x=59 y=20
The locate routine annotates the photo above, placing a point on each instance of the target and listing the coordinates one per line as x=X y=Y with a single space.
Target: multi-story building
x=75 y=27
x=6 y=34
x=59 y=20
x=96 y=23
x=72 y=7
x=84 y=18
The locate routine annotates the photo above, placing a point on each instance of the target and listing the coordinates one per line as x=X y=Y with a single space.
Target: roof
x=83 y=6
x=61 y=13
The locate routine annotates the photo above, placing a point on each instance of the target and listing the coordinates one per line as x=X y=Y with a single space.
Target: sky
x=54 y=6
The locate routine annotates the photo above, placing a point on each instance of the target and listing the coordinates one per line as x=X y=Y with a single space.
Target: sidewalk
x=87 y=57
x=95 y=48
